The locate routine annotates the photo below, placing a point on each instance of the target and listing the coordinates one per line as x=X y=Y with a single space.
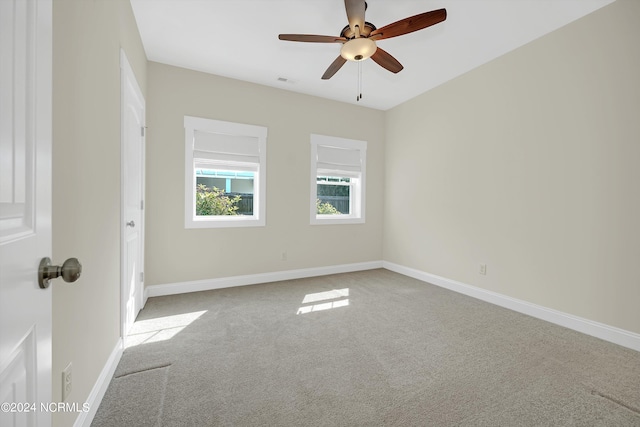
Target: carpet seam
x=618 y=402
x=144 y=370
x=164 y=394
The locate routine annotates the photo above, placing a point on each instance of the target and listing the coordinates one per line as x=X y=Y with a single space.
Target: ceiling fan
x=359 y=37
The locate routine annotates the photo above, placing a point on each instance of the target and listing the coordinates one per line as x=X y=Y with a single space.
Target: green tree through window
x=326 y=208
x=214 y=202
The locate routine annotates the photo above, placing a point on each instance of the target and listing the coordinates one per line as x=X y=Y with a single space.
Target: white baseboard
x=99 y=389
x=253 y=279
x=599 y=330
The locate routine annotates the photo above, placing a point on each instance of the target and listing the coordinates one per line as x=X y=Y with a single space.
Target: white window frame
x=193 y=124
x=357 y=193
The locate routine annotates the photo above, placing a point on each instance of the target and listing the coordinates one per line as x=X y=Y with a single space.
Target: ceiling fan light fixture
x=358 y=49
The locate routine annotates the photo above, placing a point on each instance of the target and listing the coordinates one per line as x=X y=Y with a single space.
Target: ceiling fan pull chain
x=358 y=85
x=359 y=97
x=359 y=80
x=360 y=89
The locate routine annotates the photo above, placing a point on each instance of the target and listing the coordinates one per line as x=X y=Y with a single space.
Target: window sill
x=336 y=219
x=237 y=221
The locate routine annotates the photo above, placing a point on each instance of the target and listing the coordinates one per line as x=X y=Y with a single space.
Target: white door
x=133 y=111
x=25 y=210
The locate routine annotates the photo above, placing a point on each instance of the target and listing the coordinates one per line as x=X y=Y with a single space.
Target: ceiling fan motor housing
x=348 y=33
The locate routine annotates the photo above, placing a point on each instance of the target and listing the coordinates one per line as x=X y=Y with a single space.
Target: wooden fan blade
x=385 y=60
x=355 y=13
x=333 y=68
x=311 y=38
x=409 y=25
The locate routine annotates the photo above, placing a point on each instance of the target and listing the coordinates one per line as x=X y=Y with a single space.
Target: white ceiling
x=239 y=39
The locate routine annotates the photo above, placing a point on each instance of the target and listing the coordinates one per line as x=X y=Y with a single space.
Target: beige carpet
x=362 y=349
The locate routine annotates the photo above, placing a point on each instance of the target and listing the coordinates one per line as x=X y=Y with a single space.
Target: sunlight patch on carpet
x=338 y=294
x=160 y=328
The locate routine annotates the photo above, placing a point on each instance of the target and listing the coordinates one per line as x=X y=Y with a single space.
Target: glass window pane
x=224 y=192
x=333 y=195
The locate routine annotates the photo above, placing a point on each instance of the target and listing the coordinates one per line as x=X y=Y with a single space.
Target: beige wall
x=87 y=36
x=175 y=254
x=529 y=164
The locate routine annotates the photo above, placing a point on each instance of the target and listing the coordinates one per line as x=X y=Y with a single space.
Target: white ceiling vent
x=285 y=80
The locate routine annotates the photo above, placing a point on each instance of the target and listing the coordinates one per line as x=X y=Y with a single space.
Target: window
x=338 y=169
x=225 y=174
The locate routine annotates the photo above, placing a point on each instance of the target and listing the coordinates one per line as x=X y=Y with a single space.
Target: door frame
x=126 y=73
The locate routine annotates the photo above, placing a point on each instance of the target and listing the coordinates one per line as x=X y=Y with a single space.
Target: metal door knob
x=70 y=271
x=131 y=224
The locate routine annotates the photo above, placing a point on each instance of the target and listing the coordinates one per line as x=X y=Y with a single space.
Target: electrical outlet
x=66 y=382
x=483 y=269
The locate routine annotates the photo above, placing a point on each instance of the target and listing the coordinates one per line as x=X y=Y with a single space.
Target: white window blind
x=338 y=161
x=221 y=148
